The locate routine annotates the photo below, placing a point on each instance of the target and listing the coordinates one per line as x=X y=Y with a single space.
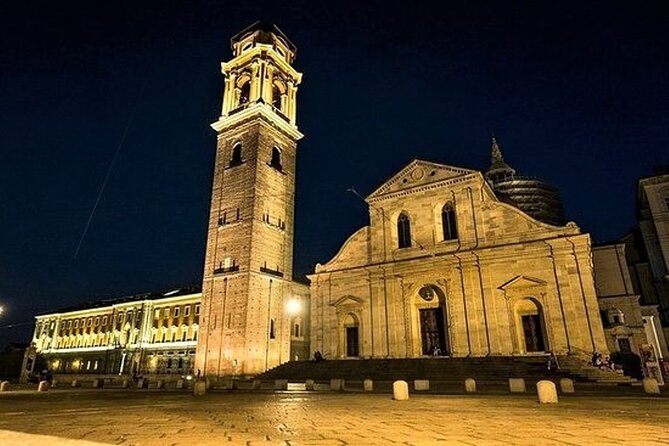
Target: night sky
x=577 y=95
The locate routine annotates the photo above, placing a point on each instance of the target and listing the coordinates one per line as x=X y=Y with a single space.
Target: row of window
x=175 y=312
x=448 y=223
x=236 y=157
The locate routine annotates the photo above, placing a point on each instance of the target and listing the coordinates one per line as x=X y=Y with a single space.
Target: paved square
x=170 y=418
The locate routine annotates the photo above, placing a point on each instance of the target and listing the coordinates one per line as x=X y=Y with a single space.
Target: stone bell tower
x=244 y=328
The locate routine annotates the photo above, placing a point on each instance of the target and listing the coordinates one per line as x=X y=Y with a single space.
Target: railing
x=273 y=272
x=223 y=269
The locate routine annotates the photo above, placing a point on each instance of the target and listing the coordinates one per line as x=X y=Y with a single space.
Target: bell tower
x=249 y=256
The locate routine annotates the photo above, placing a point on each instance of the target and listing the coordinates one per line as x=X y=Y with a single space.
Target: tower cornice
x=259 y=109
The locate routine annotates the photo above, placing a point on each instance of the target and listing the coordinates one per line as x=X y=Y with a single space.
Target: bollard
x=75 y=383
x=336 y=384
x=255 y=385
x=4 y=386
x=160 y=384
x=547 y=392
x=98 y=383
x=566 y=385
x=368 y=385
x=400 y=391
x=517 y=385
x=43 y=386
x=125 y=384
x=309 y=384
x=142 y=383
x=54 y=383
x=651 y=386
x=200 y=388
x=470 y=385
x=209 y=384
x=281 y=384
x=180 y=384
x=421 y=384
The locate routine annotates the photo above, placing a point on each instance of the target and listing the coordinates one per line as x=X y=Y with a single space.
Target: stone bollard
x=75 y=383
x=200 y=388
x=309 y=384
x=125 y=384
x=400 y=391
x=566 y=385
x=336 y=384
x=368 y=385
x=54 y=383
x=421 y=384
x=547 y=392
x=4 y=386
x=517 y=385
x=180 y=384
x=470 y=385
x=142 y=383
x=651 y=386
x=255 y=385
x=160 y=384
x=281 y=384
x=98 y=383
x=43 y=386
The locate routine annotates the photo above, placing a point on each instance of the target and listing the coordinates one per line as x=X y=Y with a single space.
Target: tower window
x=403 y=231
x=276 y=159
x=236 y=158
x=448 y=222
x=276 y=97
x=245 y=93
x=272 y=335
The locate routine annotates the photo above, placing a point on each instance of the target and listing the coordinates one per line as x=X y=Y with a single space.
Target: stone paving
x=323 y=419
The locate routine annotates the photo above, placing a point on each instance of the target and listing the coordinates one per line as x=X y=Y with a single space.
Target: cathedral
x=454 y=262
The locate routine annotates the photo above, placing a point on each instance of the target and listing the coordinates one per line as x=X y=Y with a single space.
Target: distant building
x=146 y=333
x=647 y=252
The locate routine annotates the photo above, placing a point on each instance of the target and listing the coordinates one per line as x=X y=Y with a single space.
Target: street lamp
x=2 y=310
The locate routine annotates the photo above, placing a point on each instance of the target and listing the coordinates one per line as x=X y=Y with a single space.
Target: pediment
x=522 y=282
x=418 y=173
x=347 y=301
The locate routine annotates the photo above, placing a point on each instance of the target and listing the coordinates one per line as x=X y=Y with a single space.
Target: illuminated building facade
x=453 y=262
x=150 y=333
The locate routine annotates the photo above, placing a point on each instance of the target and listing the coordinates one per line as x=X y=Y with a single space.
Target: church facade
x=444 y=267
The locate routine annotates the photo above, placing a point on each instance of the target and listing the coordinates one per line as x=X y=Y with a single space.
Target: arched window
x=276 y=97
x=403 y=231
x=272 y=335
x=236 y=158
x=448 y=222
x=245 y=93
x=276 y=158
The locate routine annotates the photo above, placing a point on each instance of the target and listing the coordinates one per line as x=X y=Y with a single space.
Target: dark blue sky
x=577 y=94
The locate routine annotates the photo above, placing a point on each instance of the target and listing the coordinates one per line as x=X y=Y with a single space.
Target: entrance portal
x=534 y=337
x=432 y=331
x=352 y=349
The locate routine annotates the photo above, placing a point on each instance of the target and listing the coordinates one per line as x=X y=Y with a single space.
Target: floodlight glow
x=293 y=306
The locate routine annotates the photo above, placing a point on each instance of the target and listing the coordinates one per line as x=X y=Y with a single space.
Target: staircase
x=490 y=370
